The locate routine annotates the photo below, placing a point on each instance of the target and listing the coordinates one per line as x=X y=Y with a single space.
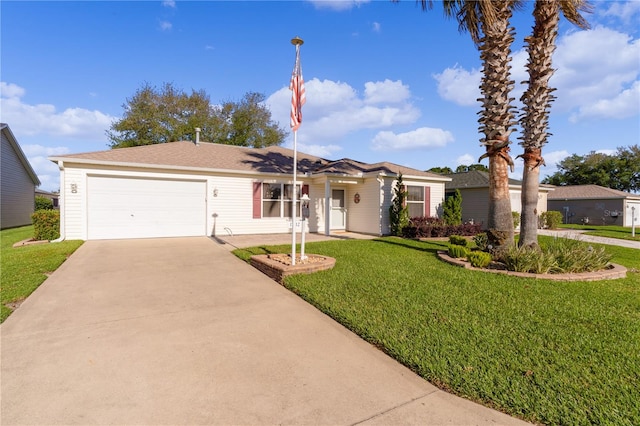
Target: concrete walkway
x=579 y=235
x=179 y=331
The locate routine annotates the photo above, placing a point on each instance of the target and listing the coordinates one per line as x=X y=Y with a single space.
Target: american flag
x=298 y=97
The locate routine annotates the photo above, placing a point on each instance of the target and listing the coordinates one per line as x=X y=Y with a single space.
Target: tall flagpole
x=297 y=99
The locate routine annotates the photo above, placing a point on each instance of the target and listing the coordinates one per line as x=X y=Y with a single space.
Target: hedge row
x=46 y=225
x=428 y=227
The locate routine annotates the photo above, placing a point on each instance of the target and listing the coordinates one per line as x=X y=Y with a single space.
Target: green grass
x=544 y=351
x=25 y=268
x=610 y=231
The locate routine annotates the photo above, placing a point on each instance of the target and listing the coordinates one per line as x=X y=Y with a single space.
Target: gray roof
x=585 y=192
x=477 y=179
x=211 y=156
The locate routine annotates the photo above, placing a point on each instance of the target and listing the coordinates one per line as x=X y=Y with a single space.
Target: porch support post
x=327 y=207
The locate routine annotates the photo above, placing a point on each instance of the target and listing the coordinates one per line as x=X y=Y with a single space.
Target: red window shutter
x=305 y=189
x=257 y=200
x=427 y=201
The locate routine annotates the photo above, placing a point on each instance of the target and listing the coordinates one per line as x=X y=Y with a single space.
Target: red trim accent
x=427 y=201
x=257 y=200
x=305 y=189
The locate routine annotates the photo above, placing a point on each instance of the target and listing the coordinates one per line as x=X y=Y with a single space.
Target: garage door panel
x=145 y=208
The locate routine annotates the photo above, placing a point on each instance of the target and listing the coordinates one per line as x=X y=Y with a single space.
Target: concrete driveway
x=179 y=331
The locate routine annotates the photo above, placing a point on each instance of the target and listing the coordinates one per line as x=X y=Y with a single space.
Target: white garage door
x=145 y=208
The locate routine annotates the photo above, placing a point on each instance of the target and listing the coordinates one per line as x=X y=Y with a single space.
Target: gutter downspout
x=61 y=204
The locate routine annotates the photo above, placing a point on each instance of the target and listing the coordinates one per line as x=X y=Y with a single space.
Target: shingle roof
x=587 y=192
x=211 y=156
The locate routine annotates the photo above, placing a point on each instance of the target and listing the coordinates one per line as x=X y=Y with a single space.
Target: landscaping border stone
x=614 y=272
x=277 y=270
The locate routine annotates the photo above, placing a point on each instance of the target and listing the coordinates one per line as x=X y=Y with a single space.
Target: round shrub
x=457 y=251
x=479 y=259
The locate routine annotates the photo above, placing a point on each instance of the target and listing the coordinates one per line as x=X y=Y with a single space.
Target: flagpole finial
x=297 y=41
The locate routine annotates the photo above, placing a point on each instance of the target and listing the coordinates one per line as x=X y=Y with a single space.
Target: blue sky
x=384 y=81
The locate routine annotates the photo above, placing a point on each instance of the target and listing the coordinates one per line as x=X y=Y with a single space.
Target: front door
x=338 y=210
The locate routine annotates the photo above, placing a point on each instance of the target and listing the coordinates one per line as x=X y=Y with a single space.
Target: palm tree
x=537 y=99
x=488 y=23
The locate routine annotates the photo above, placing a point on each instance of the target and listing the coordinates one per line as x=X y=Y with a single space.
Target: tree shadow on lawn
x=440 y=245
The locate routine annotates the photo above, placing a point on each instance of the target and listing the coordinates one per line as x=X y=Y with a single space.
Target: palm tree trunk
x=496 y=122
x=534 y=121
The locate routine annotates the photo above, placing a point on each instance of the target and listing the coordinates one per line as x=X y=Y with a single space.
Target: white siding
x=17 y=189
x=629 y=214
x=364 y=217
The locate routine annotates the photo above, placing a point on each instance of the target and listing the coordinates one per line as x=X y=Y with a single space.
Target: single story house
x=594 y=204
x=18 y=183
x=474 y=188
x=192 y=189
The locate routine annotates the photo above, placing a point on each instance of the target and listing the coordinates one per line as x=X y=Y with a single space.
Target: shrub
x=456 y=251
x=43 y=203
x=527 y=259
x=452 y=209
x=458 y=240
x=551 y=219
x=572 y=256
x=479 y=259
x=398 y=211
x=46 y=225
x=481 y=240
x=516 y=219
x=561 y=256
x=429 y=227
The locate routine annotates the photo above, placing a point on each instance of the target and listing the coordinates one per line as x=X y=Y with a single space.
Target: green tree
x=477 y=166
x=168 y=114
x=537 y=100
x=620 y=170
x=452 y=209
x=442 y=170
x=398 y=211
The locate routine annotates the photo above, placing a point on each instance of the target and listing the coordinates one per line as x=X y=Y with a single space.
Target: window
x=277 y=200
x=415 y=201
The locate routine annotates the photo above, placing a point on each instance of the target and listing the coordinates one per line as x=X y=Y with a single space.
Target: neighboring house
x=18 y=182
x=474 y=188
x=595 y=205
x=49 y=195
x=191 y=189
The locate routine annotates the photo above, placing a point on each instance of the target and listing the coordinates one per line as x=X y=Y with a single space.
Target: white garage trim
x=129 y=207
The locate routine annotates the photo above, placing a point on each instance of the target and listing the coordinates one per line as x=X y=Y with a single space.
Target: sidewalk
x=579 y=235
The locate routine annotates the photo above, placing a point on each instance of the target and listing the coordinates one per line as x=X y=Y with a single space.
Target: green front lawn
x=611 y=231
x=544 y=351
x=25 y=268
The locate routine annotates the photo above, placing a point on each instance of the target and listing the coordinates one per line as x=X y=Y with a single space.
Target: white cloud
x=625 y=104
x=424 y=137
x=335 y=109
x=338 y=5
x=44 y=119
x=459 y=85
x=594 y=66
x=169 y=3
x=166 y=25
x=376 y=27
x=44 y=151
x=11 y=90
x=386 y=91
x=47 y=171
x=465 y=160
x=324 y=151
x=625 y=11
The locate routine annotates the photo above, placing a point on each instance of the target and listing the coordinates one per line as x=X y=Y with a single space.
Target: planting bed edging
x=277 y=270
x=613 y=273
